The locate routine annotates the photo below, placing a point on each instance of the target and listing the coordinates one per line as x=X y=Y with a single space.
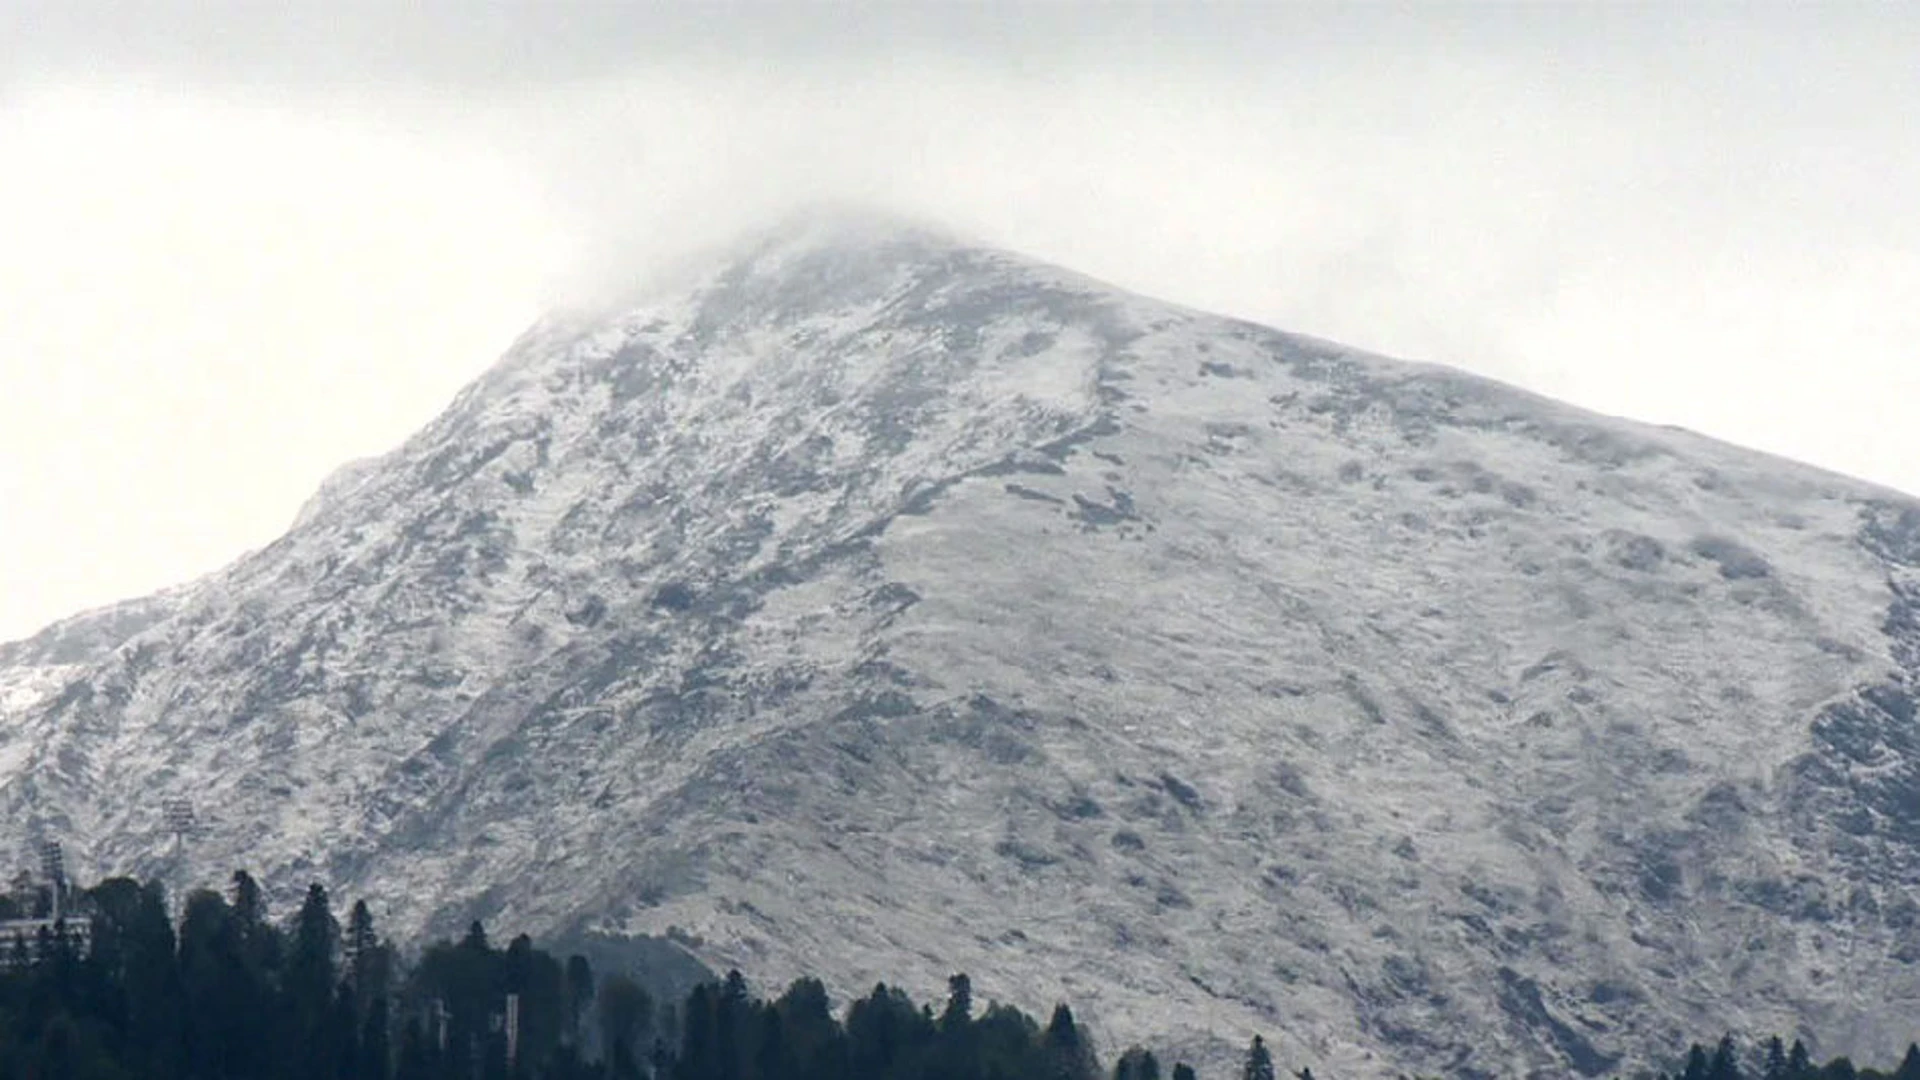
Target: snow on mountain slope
x=881 y=607
x=35 y=668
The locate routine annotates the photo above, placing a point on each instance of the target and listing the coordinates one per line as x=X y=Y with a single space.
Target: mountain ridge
x=874 y=597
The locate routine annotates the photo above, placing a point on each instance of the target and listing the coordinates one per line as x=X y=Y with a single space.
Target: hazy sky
x=243 y=243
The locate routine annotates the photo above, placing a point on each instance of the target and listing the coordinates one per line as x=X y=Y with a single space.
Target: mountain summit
x=878 y=606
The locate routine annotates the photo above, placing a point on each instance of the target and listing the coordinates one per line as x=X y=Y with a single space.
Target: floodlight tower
x=180 y=822
x=179 y=819
x=53 y=863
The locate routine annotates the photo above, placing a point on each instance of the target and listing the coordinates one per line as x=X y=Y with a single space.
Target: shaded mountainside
x=872 y=604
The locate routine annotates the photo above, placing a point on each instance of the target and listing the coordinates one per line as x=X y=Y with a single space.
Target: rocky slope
x=878 y=606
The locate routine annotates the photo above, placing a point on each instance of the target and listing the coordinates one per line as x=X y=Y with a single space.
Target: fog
x=239 y=247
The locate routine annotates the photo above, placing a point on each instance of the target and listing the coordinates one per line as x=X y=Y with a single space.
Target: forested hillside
x=117 y=991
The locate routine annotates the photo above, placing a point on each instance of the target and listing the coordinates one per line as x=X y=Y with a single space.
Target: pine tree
x=1909 y=1068
x=228 y=1000
x=369 y=961
x=1069 y=1054
x=311 y=1021
x=733 y=1027
x=1136 y=1064
x=1183 y=1071
x=376 y=1055
x=416 y=1062
x=1697 y=1063
x=1259 y=1064
x=882 y=1029
x=579 y=994
x=770 y=1052
x=959 y=1010
x=133 y=944
x=1776 y=1067
x=625 y=1013
x=338 y=1042
x=259 y=945
x=815 y=1044
x=699 y=1053
x=1799 y=1062
x=1725 y=1064
x=310 y=969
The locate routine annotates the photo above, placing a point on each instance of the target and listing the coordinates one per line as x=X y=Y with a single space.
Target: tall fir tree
x=1069 y=1053
x=1775 y=1067
x=376 y=1041
x=1725 y=1064
x=959 y=1010
x=310 y=971
x=1909 y=1067
x=1697 y=1063
x=579 y=995
x=816 y=1047
x=1137 y=1063
x=1259 y=1063
x=626 y=1013
x=1799 y=1062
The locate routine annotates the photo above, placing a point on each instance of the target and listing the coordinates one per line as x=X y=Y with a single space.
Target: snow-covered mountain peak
x=879 y=606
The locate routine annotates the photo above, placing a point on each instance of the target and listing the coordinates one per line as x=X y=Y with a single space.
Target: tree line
x=120 y=991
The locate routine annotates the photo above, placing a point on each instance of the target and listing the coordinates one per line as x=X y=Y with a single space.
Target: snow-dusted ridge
x=881 y=607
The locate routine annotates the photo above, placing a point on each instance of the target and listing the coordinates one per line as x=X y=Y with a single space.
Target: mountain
x=866 y=603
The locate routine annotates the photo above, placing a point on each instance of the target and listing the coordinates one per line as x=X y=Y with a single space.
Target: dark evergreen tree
x=310 y=1021
x=1726 y=1061
x=733 y=1027
x=815 y=1047
x=259 y=943
x=1183 y=1071
x=959 y=1010
x=1069 y=1053
x=133 y=957
x=225 y=989
x=369 y=961
x=310 y=971
x=1137 y=1063
x=1909 y=1067
x=1799 y=1062
x=1697 y=1063
x=416 y=1060
x=1776 y=1061
x=1259 y=1063
x=579 y=995
x=772 y=1058
x=883 y=1030
x=626 y=1012
x=337 y=1046
x=699 y=1050
x=376 y=1040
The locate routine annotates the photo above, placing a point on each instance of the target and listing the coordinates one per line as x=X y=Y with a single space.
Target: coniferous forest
x=121 y=990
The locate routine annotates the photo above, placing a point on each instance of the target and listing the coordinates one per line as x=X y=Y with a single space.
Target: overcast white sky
x=243 y=243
